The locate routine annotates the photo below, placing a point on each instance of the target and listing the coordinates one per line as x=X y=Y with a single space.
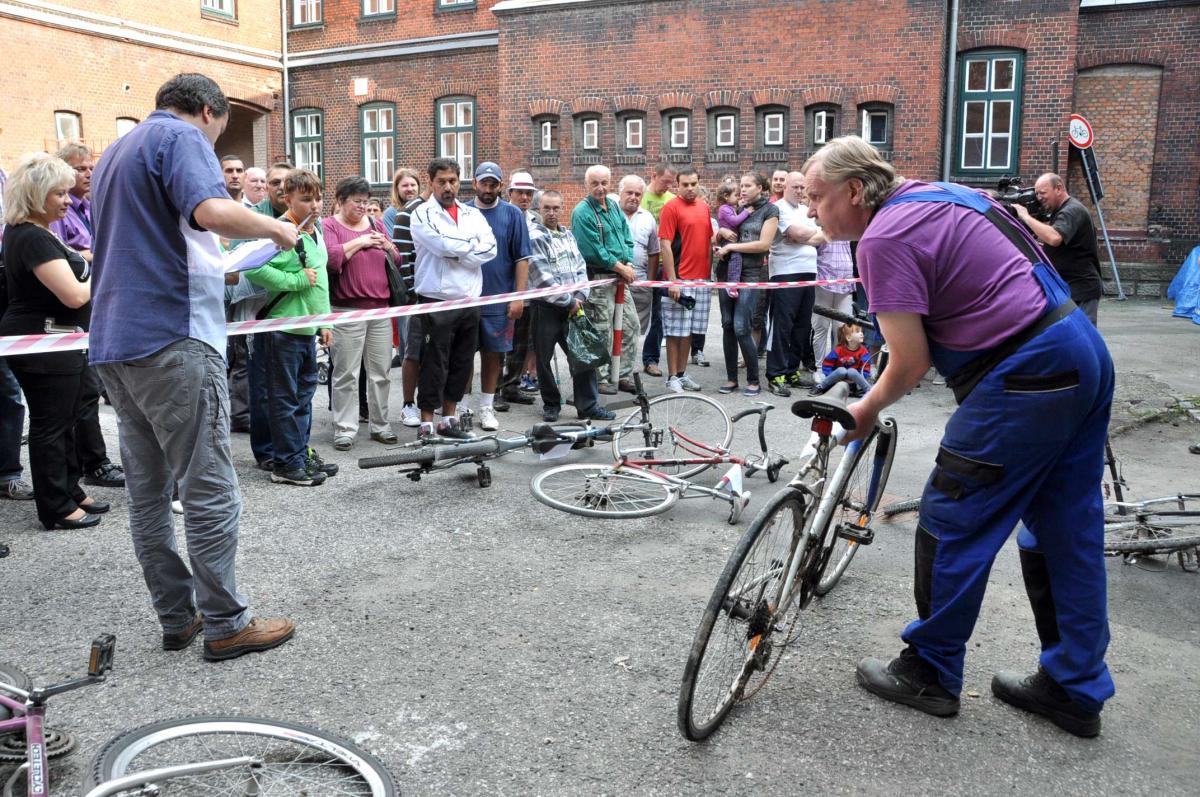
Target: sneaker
x=907 y=679
x=802 y=378
x=728 y=388
x=298 y=477
x=488 y=421
x=752 y=391
x=314 y=463
x=500 y=404
x=451 y=428
x=529 y=384
x=690 y=384
x=387 y=437
x=512 y=395
x=107 y=475
x=17 y=490
x=259 y=635
x=267 y=464
x=410 y=415
x=1041 y=694
x=699 y=359
x=550 y=414
x=778 y=385
x=343 y=443
x=425 y=430
x=177 y=506
x=607 y=389
x=181 y=639
x=674 y=384
x=599 y=414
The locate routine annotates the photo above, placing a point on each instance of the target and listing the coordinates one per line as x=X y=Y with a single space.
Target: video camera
x=1009 y=192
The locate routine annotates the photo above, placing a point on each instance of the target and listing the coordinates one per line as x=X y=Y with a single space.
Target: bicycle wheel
x=856 y=492
x=604 y=491
x=739 y=628
x=13 y=676
x=674 y=425
x=900 y=507
x=1151 y=533
x=296 y=759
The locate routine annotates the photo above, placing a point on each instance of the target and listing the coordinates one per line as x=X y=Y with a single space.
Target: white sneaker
x=675 y=384
x=690 y=384
x=177 y=507
x=410 y=415
x=487 y=419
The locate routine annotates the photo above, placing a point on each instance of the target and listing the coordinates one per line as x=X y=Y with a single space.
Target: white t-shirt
x=644 y=230
x=787 y=257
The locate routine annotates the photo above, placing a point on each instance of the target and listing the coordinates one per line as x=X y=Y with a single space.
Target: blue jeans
x=291 y=383
x=653 y=341
x=12 y=422
x=260 y=424
x=737 y=316
x=851 y=375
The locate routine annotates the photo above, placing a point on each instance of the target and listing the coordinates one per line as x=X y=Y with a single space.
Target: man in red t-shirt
x=686 y=233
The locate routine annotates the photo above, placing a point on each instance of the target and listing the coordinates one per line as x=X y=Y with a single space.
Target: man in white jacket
x=452 y=242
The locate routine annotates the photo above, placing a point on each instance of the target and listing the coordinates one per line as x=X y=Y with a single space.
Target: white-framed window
x=591 y=134
x=874 y=126
x=308 y=140
x=378 y=124
x=125 y=124
x=773 y=129
x=726 y=130
x=456 y=132
x=306 y=12
x=548 y=135
x=679 y=132
x=224 y=7
x=634 y=133
x=373 y=8
x=823 y=126
x=454 y=3
x=67 y=125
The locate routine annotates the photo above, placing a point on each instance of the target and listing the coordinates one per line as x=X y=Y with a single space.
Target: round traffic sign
x=1080 y=131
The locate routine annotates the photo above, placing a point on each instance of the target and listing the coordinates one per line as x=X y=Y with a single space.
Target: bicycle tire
x=756 y=568
x=856 y=501
x=143 y=748
x=698 y=418
x=900 y=507
x=13 y=676
x=416 y=456
x=1117 y=540
x=603 y=491
x=427 y=455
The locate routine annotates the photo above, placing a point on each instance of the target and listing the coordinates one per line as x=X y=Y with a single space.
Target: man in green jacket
x=604 y=240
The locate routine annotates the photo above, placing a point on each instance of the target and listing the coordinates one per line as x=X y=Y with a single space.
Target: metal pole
x=951 y=79
x=1111 y=259
x=614 y=364
x=287 y=94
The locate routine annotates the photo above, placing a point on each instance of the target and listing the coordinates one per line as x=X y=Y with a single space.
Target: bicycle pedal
x=863 y=535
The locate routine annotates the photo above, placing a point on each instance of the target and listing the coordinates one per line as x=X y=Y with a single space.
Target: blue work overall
x=1026 y=444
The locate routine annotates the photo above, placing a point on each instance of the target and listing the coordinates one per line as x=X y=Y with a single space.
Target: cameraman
x=1069 y=240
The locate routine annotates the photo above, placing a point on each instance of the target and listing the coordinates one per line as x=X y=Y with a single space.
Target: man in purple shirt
x=956 y=282
x=75 y=230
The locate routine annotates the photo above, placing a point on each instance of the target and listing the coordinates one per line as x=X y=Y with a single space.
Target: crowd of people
x=134 y=251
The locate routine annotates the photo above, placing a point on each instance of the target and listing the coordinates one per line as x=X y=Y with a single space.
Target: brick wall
x=255 y=22
x=344 y=24
x=1163 y=35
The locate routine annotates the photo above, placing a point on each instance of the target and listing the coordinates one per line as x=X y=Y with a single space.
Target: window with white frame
x=456 y=132
x=678 y=128
x=67 y=126
x=591 y=133
x=306 y=12
x=725 y=130
x=634 y=133
x=378 y=126
x=374 y=8
x=125 y=124
x=451 y=4
x=308 y=140
x=990 y=108
x=774 y=129
x=875 y=122
x=547 y=135
x=223 y=7
x=822 y=126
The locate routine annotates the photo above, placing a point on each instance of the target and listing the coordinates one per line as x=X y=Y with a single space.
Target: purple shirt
x=361 y=280
x=834 y=262
x=952 y=266
x=75 y=229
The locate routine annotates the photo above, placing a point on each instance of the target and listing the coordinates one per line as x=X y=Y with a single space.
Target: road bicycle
x=796 y=549
x=438 y=453
x=194 y=756
x=659 y=448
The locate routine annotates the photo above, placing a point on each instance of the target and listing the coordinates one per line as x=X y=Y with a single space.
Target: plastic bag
x=586 y=347
x=1185 y=288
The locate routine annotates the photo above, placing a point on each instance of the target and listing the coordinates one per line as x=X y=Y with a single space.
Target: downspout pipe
x=287 y=93
x=951 y=90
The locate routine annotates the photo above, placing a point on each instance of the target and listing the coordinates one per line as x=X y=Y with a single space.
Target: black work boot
x=907 y=679
x=1041 y=694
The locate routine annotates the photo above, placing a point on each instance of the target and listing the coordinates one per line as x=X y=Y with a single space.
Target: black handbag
x=398 y=293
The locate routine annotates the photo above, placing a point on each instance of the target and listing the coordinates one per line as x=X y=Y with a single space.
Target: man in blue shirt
x=507 y=272
x=159 y=202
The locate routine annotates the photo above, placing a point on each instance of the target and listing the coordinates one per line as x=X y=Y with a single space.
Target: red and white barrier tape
x=12 y=345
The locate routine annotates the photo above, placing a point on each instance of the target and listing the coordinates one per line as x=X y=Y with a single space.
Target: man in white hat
x=519 y=383
x=521 y=192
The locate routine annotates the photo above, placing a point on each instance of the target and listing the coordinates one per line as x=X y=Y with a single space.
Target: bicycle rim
x=603 y=491
x=684 y=420
x=297 y=759
x=857 y=497
x=739 y=629
x=1149 y=535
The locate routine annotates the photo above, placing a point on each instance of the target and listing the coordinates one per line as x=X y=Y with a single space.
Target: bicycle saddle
x=831 y=406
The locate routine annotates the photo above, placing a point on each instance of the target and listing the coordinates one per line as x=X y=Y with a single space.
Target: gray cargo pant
x=173 y=419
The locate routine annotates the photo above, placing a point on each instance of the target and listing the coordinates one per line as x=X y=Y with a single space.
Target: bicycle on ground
x=796 y=549
x=658 y=449
x=194 y=756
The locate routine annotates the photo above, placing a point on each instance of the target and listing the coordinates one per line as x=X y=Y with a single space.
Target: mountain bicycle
x=659 y=447
x=438 y=453
x=201 y=756
x=796 y=549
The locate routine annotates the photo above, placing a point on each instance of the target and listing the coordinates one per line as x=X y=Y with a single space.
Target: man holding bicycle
x=957 y=283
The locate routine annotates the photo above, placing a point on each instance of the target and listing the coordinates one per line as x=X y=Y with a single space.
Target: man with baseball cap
x=508 y=271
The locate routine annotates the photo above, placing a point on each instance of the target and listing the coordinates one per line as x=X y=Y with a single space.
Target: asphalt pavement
x=481 y=643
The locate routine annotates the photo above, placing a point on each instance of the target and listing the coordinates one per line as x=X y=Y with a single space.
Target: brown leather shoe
x=181 y=640
x=625 y=384
x=260 y=634
x=652 y=369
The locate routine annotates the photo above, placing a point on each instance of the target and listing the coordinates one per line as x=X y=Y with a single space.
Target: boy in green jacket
x=299 y=285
